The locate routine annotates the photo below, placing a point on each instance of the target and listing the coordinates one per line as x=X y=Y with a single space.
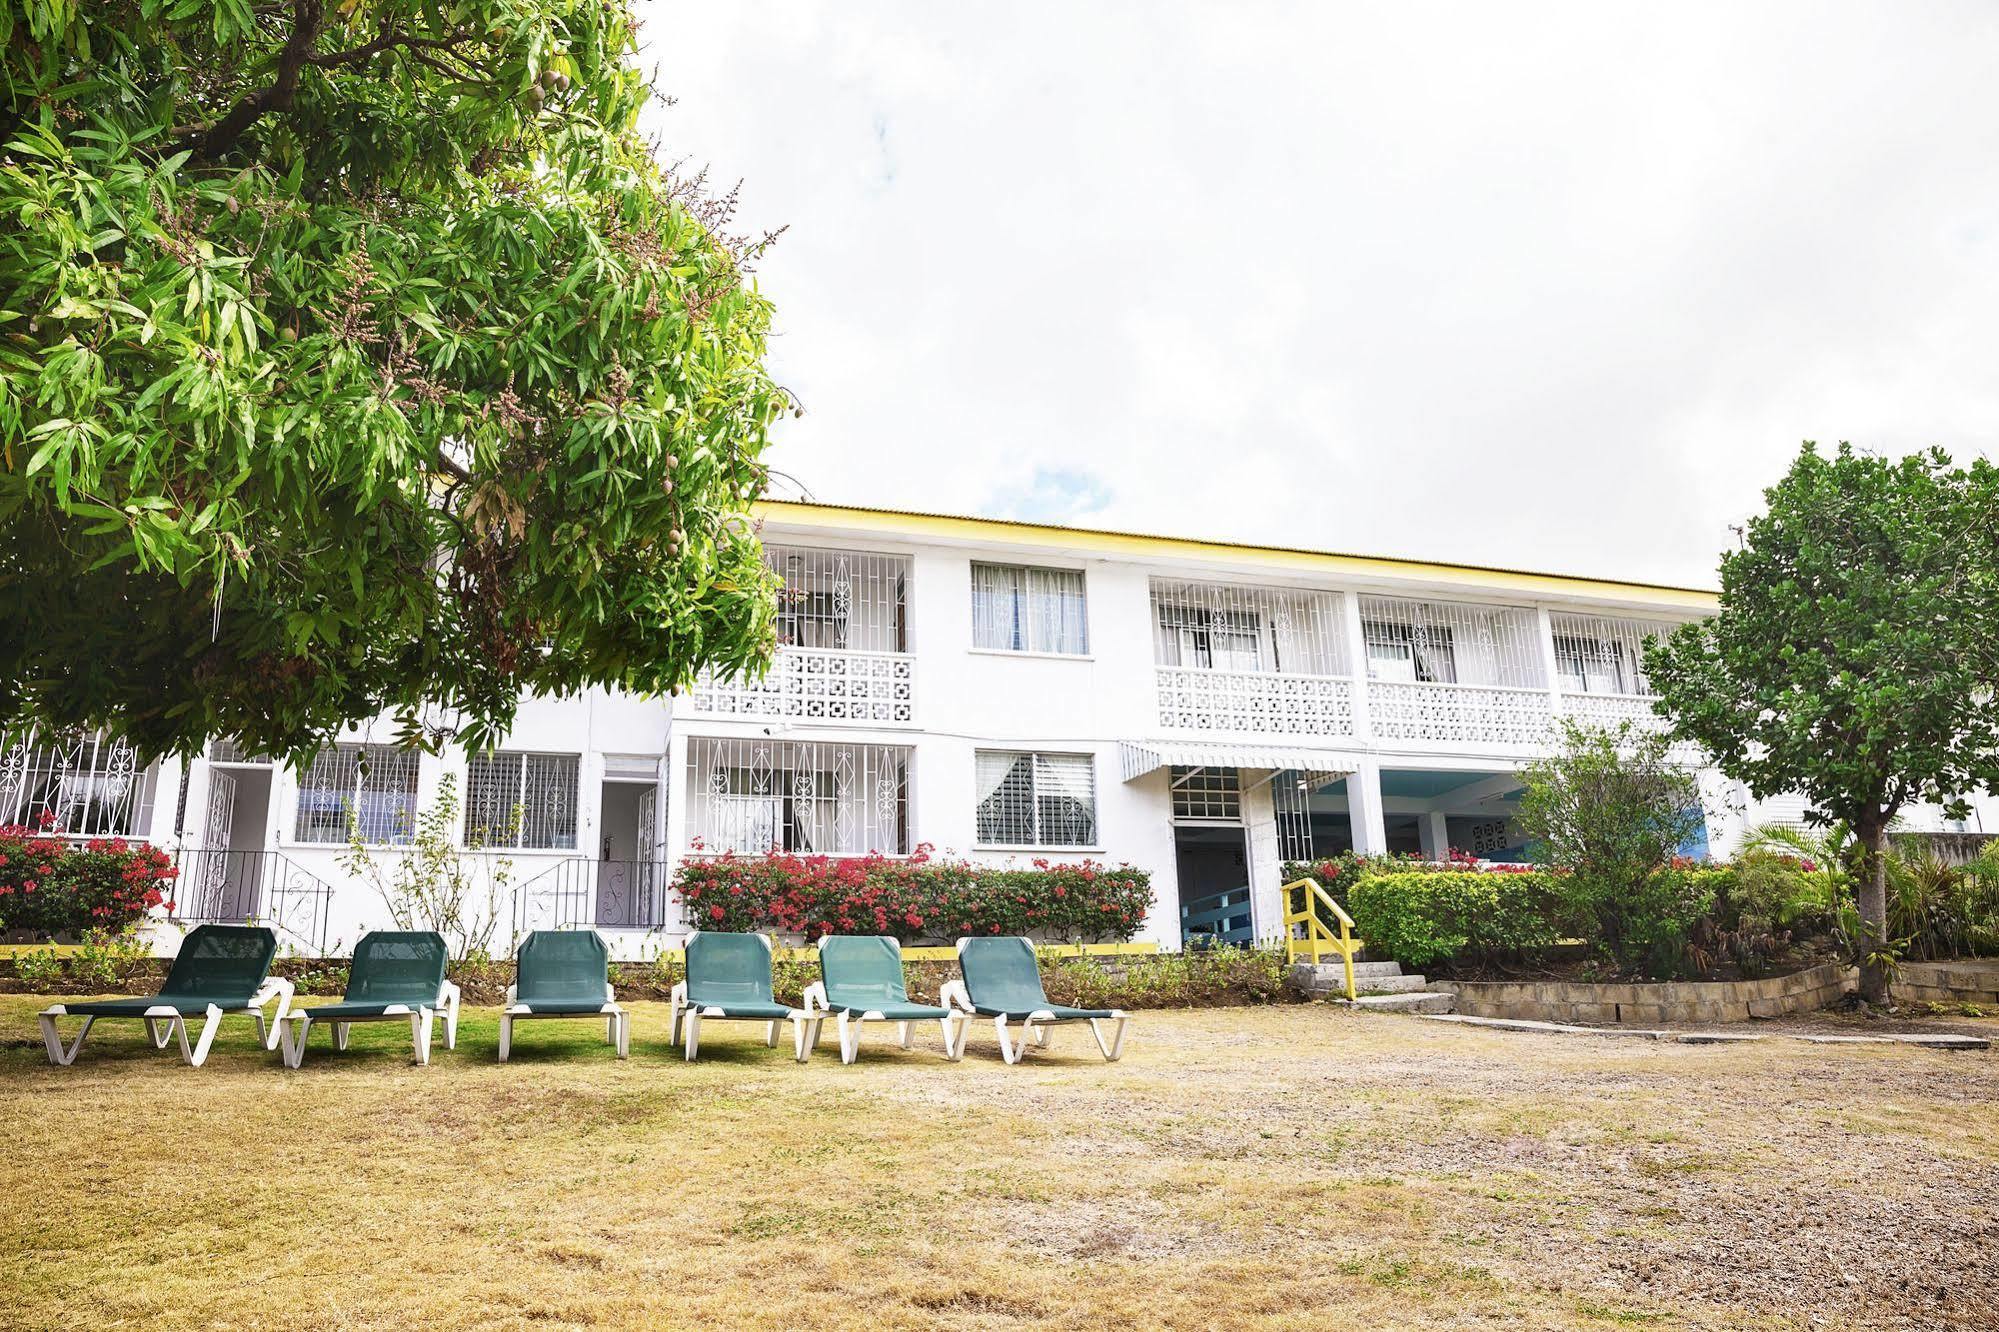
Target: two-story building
x=997 y=690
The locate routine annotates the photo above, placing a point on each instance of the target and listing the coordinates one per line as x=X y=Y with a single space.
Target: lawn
x=1298 y=1166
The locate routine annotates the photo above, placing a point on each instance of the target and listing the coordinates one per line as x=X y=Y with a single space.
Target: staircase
x=1382 y=987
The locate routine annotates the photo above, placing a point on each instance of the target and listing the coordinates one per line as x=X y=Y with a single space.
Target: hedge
x=918 y=899
x=1432 y=915
x=1427 y=916
x=52 y=886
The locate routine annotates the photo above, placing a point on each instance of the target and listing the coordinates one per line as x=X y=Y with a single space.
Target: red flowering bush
x=53 y=886
x=918 y=899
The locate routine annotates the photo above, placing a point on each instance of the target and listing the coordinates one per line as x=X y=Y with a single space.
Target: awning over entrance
x=1142 y=756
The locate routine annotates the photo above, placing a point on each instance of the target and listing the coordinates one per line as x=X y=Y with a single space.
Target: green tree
x=1855 y=654
x=1609 y=809
x=360 y=357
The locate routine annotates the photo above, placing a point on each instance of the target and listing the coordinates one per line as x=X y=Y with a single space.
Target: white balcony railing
x=1255 y=702
x=1609 y=709
x=818 y=684
x=1460 y=714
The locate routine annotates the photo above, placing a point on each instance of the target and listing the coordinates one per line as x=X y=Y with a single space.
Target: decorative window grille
x=1432 y=642
x=231 y=751
x=846 y=600
x=1223 y=627
x=1021 y=609
x=374 y=786
x=825 y=798
x=1594 y=655
x=1036 y=799
x=1490 y=836
x=521 y=800
x=90 y=784
x=1206 y=793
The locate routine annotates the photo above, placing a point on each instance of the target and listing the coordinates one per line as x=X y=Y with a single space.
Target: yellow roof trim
x=910 y=524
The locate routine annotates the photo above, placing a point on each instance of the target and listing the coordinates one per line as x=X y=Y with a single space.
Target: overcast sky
x=1543 y=286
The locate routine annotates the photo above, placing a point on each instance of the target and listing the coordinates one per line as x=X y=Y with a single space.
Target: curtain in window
x=373 y=785
x=1065 y=791
x=1017 y=609
x=1005 y=788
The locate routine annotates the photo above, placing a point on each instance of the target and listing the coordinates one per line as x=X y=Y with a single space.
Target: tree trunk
x=1872 y=901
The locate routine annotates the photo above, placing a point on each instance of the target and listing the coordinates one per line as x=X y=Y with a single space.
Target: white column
x=1370 y=833
x=1544 y=629
x=1259 y=816
x=1435 y=832
x=676 y=791
x=1363 y=727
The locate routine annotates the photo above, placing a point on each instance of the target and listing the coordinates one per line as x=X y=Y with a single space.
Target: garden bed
x=1654 y=1002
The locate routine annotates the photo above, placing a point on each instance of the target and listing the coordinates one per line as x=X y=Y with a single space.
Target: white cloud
x=1555 y=287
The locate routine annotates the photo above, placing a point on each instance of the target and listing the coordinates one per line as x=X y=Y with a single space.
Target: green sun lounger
x=861 y=981
x=395 y=977
x=1002 y=981
x=220 y=969
x=729 y=977
x=564 y=974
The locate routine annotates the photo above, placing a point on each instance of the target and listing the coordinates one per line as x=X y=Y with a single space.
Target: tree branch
x=297 y=50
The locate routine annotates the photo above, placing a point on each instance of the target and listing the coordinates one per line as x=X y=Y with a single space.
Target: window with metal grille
x=231 y=751
x=845 y=600
x=1448 y=642
x=90 y=784
x=1222 y=627
x=1016 y=608
x=370 y=787
x=754 y=796
x=1206 y=793
x=1030 y=799
x=521 y=800
x=1598 y=655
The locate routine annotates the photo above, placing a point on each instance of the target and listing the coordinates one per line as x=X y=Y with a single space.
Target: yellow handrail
x=1316 y=904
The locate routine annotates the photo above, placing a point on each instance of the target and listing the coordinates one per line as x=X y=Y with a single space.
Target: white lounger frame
x=686 y=1019
x=163 y=1024
x=956 y=1027
x=847 y=1025
x=292 y=1032
x=617 y=1022
x=1036 y=1027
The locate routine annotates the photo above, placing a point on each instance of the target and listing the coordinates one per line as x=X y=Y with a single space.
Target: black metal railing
x=581 y=893
x=253 y=887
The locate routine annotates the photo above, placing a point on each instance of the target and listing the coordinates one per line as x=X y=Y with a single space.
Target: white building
x=997 y=690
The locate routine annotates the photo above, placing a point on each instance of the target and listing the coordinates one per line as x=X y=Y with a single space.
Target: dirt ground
x=1240 y=1168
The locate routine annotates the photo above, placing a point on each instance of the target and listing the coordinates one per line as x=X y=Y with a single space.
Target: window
x=754 y=796
x=1206 y=793
x=521 y=800
x=1018 y=609
x=1036 y=799
x=845 y=601
x=1219 y=640
x=374 y=786
x=1407 y=654
x=1585 y=665
x=89 y=784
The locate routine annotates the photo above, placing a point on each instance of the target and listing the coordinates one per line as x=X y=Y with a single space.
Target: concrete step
x=1389 y=984
x=1334 y=973
x=1421 y=1001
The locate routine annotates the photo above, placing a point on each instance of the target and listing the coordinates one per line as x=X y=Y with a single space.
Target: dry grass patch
x=1240 y=1168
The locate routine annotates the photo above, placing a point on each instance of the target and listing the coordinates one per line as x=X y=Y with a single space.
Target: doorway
x=222 y=878
x=1212 y=863
x=629 y=872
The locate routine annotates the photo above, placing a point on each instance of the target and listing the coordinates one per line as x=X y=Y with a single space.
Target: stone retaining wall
x=1652 y=1003
x=1968 y=982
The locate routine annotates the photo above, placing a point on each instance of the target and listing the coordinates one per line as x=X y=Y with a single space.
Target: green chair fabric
x=863 y=974
x=1003 y=980
x=562 y=971
x=222 y=965
x=390 y=968
x=732 y=972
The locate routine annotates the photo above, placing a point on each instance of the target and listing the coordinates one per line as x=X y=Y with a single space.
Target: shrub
x=913 y=900
x=1422 y=917
x=51 y=886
